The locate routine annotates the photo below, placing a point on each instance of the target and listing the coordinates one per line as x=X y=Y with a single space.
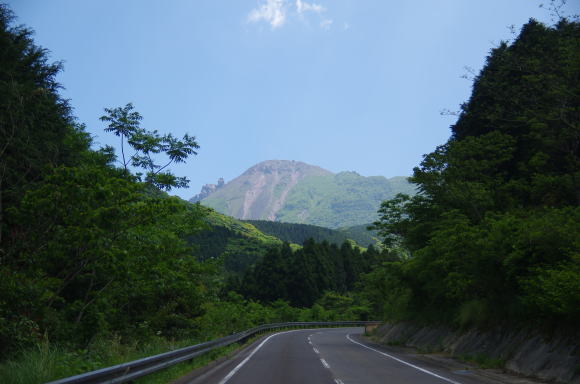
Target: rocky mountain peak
x=207 y=190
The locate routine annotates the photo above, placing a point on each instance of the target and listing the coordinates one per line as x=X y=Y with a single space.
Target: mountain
x=296 y=192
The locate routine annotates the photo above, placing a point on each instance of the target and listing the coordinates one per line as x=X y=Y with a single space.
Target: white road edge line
x=403 y=362
x=325 y=363
x=237 y=368
x=338 y=381
x=316 y=350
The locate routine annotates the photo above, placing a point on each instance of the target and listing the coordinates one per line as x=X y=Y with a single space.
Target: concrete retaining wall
x=529 y=353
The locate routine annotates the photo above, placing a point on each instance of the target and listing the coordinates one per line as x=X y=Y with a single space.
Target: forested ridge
x=99 y=265
x=239 y=244
x=298 y=233
x=236 y=244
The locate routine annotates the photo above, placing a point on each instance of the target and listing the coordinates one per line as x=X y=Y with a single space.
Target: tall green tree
x=124 y=122
x=37 y=130
x=86 y=249
x=488 y=234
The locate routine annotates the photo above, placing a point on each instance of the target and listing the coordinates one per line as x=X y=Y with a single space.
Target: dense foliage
x=302 y=276
x=236 y=244
x=493 y=235
x=86 y=249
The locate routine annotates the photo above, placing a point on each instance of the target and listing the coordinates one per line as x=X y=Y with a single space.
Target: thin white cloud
x=272 y=11
x=276 y=12
x=326 y=24
x=302 y=7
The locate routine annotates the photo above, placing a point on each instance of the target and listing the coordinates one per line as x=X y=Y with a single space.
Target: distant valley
x=296 y=192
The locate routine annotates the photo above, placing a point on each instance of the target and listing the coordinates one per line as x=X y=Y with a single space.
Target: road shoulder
x=444 y=362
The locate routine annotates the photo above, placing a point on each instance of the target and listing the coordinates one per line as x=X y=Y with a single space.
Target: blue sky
x=352 y=85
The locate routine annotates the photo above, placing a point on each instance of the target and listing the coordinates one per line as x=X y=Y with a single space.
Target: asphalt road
x=327 y=356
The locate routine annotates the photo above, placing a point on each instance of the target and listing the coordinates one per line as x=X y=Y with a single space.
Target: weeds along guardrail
x=130 y=371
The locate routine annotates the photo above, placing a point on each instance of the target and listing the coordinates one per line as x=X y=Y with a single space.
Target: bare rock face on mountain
x=296 y=192
x=260 y=192
x=207 y=190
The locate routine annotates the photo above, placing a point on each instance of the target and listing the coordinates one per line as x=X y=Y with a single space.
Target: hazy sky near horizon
x=353 y=85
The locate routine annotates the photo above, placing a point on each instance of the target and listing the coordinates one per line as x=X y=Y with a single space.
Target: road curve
x=327 y=356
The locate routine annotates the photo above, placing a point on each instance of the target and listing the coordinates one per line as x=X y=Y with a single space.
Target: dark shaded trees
x=493 y=232
x=86 y=249
x=37 y=130
x=301 y=277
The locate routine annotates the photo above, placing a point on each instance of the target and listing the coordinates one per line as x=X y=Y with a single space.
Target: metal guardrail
x=130 y=371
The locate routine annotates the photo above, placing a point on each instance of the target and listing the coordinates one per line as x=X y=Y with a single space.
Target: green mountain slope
x=295 y=192
x=239 y=244
x=298 y=233
x=340 y=200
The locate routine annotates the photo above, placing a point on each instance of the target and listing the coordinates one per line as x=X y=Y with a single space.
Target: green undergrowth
x=48 y=362
x=179 y=370
x=482 y=360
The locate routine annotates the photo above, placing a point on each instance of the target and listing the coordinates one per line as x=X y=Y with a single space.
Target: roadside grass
x=482 y=361
x=47 y=362
x=179 y=370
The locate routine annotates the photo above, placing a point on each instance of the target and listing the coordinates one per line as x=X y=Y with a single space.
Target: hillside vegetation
x=236 y=244
x=493 y=235
x=341 y=200
x=299 y=233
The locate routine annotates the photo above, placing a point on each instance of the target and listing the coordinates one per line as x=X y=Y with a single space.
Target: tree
x=489 y=230
x=37 y=130
x=124 y=122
